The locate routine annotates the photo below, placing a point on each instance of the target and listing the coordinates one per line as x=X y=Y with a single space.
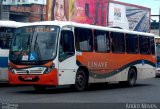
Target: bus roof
x=65 y=23
x=12 y=24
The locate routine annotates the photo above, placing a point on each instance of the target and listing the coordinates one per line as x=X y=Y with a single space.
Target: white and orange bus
x=53 y=53
x=7 y=29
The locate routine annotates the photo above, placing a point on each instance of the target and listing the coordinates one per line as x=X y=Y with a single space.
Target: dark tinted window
x=66 y=48
x=132 y=43
x=84 y=39
x=144 y=45
x=152 y=45
x=67 y=41
x=102 y=43
x=118 y=43
x=6 y=35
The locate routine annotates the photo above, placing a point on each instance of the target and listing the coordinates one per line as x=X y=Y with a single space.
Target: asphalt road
x=145 y=91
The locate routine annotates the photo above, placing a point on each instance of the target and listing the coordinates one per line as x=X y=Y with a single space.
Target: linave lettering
x=97 y=64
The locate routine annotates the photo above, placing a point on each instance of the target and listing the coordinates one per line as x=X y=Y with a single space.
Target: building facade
x=22 y=2
x=23 y=10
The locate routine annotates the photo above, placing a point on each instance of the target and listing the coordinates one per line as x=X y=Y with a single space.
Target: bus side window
x=144 y=45
x=132 y=44
x=118 y=43
x=84 y=39
x=102 y=43
x=66 y=46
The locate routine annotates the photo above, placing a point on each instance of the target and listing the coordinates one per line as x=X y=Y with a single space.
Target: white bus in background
x=7 y=29
x=157 y=40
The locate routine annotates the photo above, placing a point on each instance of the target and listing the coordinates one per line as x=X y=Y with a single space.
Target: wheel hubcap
x=80 y=81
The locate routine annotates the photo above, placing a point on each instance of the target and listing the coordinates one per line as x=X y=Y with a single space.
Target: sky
x=153 y=4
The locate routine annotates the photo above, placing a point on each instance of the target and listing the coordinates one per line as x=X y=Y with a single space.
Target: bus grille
x=29 y=71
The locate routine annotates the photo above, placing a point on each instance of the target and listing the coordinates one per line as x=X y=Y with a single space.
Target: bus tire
x=39 y=88
x=132 y=77
x=81 y=82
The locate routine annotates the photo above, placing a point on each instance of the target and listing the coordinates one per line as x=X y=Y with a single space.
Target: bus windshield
x=34 y=44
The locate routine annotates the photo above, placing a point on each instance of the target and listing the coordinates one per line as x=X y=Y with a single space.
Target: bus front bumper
x=50 y=79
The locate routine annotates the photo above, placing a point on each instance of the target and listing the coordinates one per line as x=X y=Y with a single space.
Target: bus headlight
x=49 y=69
x=11 y=69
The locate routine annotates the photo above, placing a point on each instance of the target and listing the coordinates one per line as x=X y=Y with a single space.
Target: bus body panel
x=147 y=72
x=67 y=71
x=4 y=64
x=121 y=76
x=105 y=67
x=3 y=74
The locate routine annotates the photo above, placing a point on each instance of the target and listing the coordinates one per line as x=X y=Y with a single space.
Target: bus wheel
x=132 y=77
x=40 y=88
x=81 y=81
